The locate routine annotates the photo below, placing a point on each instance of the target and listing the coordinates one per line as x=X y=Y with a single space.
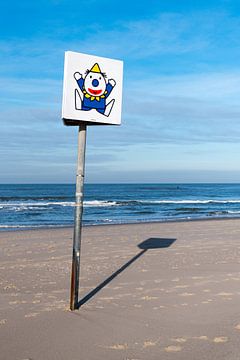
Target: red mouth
x=94 y=92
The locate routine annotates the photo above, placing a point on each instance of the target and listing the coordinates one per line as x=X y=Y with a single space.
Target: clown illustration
x=94 y=91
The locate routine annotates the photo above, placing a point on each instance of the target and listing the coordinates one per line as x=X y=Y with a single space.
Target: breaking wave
x=41 y=205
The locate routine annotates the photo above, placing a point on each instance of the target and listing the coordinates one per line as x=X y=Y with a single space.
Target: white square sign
x=92 y=89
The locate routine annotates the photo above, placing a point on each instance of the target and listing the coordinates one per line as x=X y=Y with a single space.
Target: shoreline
x=59 y=227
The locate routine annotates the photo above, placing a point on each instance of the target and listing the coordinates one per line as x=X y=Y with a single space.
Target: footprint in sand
x=118 y=347
x=186 y=294
x=10 y=286
x=158 y=281
x=224 y=294
x=13 y=302
x=3 y=321
x=220 y=339
x=39 y=295
x=148 y=298
x=202 y=337
x=180 y=340
x=149 y=343
x=173 y=348
x=31 y=315
x=107 y=298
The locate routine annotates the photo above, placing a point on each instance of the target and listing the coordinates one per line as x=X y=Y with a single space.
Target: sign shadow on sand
x=148 y=244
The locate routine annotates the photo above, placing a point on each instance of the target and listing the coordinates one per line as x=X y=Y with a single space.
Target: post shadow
x=148 y=244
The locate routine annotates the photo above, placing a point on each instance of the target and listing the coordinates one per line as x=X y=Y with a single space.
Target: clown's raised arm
x=78 y=77
x=112 y=82
x=110 y=85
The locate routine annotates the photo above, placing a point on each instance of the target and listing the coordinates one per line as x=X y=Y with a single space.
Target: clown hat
x=95 y=68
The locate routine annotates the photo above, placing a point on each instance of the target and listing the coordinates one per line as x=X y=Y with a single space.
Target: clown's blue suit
x=97 y=102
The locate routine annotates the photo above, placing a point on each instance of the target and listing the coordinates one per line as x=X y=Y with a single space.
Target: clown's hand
x=77 y=75
x=112 y=82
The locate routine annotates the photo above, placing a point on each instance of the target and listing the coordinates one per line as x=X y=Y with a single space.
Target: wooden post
x=78 y=217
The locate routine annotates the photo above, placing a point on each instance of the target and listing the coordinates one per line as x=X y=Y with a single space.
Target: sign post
x=92 y=95
x=78 y=217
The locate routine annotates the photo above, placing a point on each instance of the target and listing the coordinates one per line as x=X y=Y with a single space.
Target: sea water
x=51 y=205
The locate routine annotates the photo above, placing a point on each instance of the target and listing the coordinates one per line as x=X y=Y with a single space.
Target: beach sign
x=92 y=95
x=92 y=89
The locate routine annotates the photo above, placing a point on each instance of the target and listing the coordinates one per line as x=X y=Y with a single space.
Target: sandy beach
x=148 y=291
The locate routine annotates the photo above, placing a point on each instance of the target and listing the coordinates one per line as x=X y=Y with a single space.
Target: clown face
x=95 y=84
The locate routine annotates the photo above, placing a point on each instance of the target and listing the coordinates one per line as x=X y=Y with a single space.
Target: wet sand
x=149 y=291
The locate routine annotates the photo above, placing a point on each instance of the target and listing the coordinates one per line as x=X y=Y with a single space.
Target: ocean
x=49 y=205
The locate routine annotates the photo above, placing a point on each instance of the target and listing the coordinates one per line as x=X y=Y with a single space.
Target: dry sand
x=177 y=296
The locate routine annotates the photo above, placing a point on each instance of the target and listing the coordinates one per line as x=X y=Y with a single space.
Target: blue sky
x=181 y=107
